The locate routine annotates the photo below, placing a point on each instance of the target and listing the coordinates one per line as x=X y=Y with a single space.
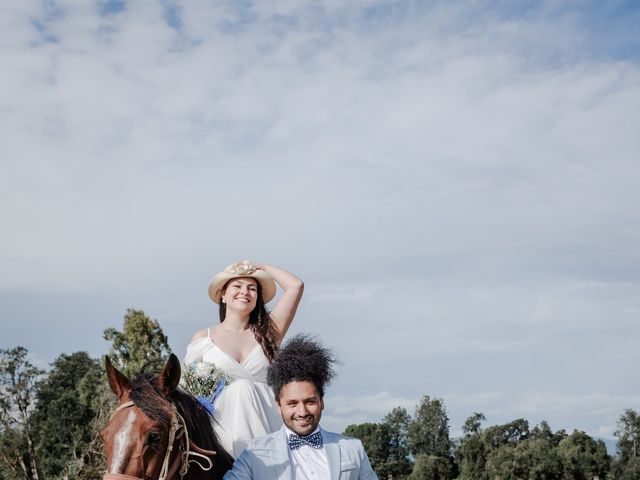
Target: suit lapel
x=281 y=454
x=333 y=454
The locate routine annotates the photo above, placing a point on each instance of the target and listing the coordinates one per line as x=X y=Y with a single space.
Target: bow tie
x=314 y=440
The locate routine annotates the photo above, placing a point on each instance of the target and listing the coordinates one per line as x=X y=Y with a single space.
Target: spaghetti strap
x=209 y=333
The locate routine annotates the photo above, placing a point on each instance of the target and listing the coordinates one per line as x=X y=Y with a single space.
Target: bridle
x=186 y=448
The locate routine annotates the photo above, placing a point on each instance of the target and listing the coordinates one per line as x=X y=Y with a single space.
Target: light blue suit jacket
x=268 y=458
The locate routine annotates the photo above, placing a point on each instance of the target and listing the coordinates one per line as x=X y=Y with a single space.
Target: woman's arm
x=284 y=311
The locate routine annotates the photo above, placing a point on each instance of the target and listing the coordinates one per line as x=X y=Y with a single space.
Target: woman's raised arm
x=292 y=287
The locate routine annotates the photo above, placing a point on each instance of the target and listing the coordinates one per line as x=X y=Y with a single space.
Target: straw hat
x=242 y=269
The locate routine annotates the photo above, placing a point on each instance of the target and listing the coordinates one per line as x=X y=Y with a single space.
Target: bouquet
x=205 y=382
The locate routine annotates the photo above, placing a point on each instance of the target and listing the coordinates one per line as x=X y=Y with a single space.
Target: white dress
x=246 y=408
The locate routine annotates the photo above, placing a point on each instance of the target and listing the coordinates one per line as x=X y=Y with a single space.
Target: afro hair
x=301 y=359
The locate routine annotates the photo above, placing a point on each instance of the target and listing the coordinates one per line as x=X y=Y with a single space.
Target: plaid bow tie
x=314 y=440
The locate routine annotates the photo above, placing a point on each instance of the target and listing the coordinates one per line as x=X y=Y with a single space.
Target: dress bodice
x=253 y=367
x=246 y=407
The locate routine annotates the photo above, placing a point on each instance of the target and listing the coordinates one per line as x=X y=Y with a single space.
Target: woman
x=243 y=345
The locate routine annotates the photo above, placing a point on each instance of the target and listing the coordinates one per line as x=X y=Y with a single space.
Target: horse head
x=158 y=431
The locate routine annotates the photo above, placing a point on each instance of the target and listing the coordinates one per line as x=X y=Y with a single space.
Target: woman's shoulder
x=200 y=343
x=201 y=334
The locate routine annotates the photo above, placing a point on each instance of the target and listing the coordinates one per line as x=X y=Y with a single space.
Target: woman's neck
x=235 y=322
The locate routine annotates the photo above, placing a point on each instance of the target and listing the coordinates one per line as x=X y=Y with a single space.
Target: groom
x=301 y=450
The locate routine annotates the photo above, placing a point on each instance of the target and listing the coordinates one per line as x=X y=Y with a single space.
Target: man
x=301 y=450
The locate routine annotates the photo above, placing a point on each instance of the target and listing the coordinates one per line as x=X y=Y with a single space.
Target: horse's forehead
x=126 y=431
x=131 y=417
x=123 y=440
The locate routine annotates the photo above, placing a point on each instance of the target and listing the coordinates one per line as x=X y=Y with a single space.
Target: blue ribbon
x=207 y=402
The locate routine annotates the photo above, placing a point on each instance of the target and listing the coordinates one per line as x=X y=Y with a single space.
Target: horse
x=160 y=432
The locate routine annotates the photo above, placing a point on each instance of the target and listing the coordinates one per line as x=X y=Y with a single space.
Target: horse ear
x=118 y=382
x=170 y=376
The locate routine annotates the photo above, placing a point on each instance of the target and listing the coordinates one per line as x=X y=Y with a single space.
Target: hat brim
x=266 y=281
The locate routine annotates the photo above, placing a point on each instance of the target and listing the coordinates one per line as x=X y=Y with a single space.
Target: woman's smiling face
x=241 y=294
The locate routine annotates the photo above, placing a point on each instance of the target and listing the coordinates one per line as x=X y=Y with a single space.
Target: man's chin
x=303 y=431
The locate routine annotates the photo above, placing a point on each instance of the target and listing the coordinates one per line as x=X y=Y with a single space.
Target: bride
x=243 y=344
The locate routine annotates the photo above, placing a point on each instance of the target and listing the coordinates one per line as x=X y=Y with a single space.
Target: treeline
x=420 y=448
x=50 y=423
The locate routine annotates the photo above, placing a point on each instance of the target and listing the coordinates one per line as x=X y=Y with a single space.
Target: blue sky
x=456 y=182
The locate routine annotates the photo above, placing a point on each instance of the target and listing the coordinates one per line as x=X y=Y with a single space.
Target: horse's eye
x=154 y=437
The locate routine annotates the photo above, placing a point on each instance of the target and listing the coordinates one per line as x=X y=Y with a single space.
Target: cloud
x=342 y=411
x=456 y=184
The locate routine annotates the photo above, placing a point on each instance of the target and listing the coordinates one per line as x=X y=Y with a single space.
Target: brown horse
x=160 y=432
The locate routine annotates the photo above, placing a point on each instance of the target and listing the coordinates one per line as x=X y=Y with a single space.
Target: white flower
x=202 y=379
x=204 y=369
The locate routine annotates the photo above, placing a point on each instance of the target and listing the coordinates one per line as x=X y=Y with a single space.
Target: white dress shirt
x=308 y=463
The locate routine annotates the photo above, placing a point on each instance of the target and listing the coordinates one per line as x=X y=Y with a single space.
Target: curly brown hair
x=302 y=359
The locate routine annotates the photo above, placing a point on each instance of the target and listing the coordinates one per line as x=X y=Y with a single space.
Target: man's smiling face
x=301 y=407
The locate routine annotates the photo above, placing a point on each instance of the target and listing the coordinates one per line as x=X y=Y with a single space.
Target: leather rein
x=180 y=465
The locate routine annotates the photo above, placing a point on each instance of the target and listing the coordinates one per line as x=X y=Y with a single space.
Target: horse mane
x=147 y=396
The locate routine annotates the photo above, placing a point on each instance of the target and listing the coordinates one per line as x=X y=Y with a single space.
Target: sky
x=455 y=182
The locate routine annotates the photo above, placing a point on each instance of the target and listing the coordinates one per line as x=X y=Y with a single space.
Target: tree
x=14 y=457
x=428 y=432
x=140 y=342
x=397 y=423
x=628 y=434
x=583 y=458
x=472 y=425
x=386 y=443
x=64 y=418
x=431 y=467
x=19 y=381
x=509 y=451
x=99 y=397
x=626 y=465
x=629 y=470
x=375 y=440
x=471 y=454
x=508 y=434
x=544 y=432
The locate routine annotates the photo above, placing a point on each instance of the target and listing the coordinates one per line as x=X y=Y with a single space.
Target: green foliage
x=19 y=382
x=391 y=443
x=512 y=452
x=473 y=424
x=140 y=342
x=64 y=418
x=627 y=470
x=471 y=454
x=14 y=456
x=428 y=432
x=509 y=434
x=583 y=458
x=385 y=443
x=397 y=423
x=627 y=463
x=50 y=425
x=628 y=434
x=431 y=467
x=375 y=440
x=544 y=432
